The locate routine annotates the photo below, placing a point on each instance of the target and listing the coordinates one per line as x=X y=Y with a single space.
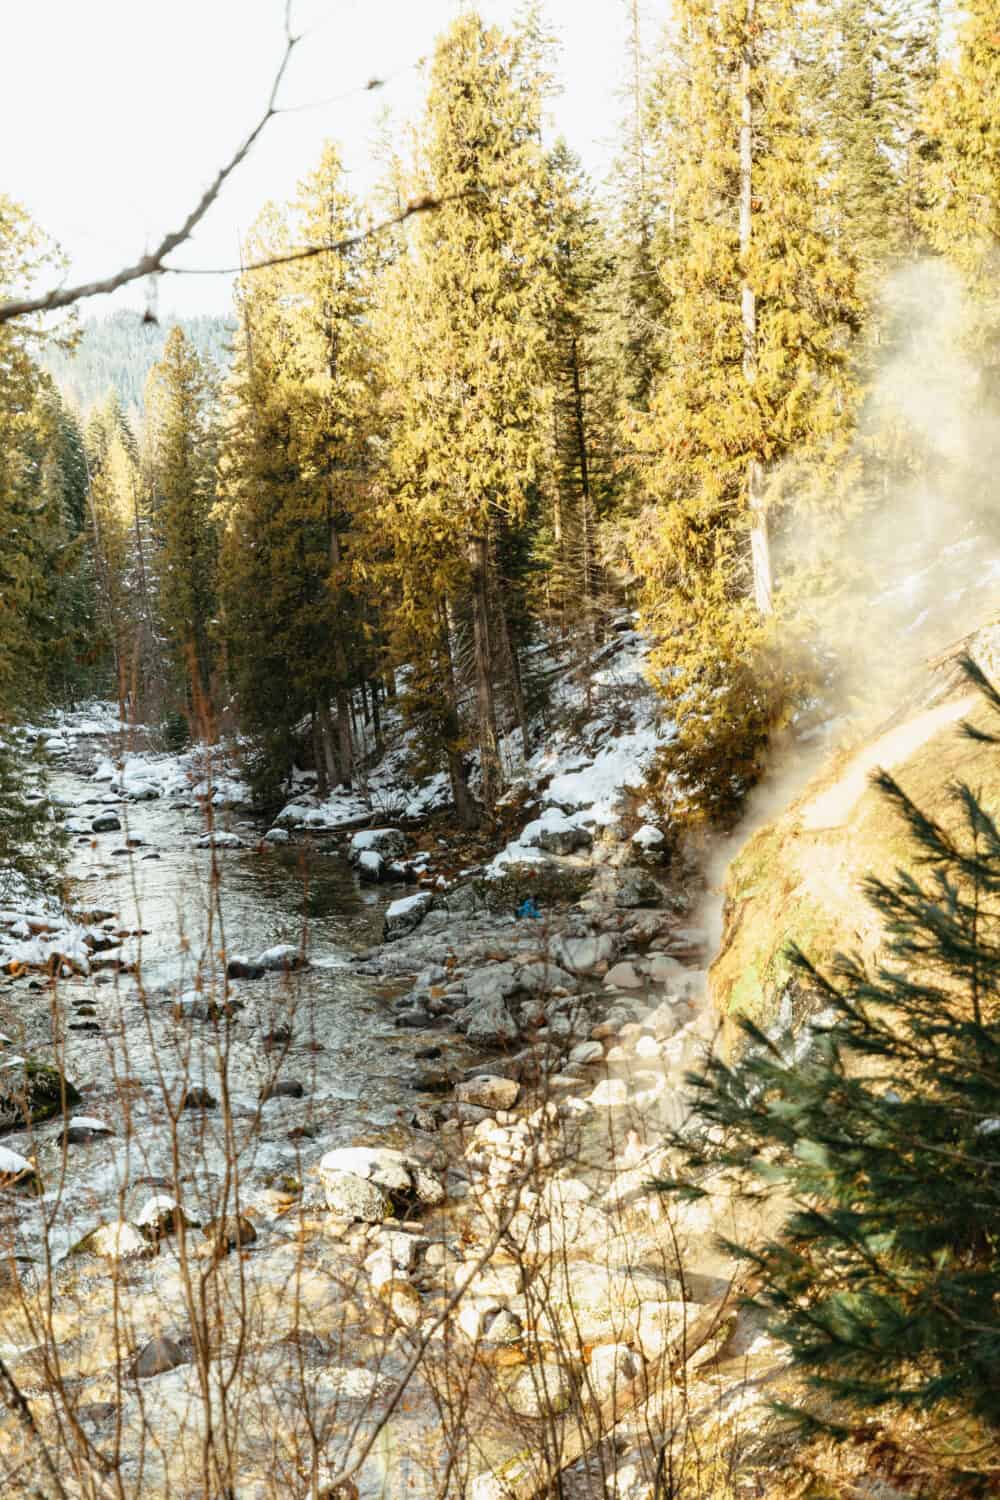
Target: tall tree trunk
x=586 y=508
x=512 y=667
x=485 y=701
x=319 y=757
x=465 y=807
x=329 y=743
x=376 y=715
x=759 y=545
x=345 y=740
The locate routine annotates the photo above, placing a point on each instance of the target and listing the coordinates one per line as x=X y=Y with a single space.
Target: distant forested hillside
x=119 y=350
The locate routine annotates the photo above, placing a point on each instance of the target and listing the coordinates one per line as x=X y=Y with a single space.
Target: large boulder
x=374 y=1182
x=582 y=955
x=32 y=1091
x=281 y=959
x=388 y=843
x=404 y=916
x=487 y=1023
x=799 y=878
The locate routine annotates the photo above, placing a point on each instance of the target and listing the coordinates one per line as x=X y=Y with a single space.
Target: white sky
x=114 y=114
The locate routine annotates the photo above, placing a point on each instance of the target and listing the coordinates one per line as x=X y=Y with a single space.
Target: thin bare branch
x=335 y=247
x=152 y=263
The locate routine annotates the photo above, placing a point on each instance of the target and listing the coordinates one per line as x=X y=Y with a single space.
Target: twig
x=152 y=263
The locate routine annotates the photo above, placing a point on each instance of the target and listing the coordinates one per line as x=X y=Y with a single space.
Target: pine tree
x=869 y=64
x=641 y=181
x=467 y=357
x=963 y=124
x=122 y=552
x=72 y=664
x=294 y=470
x=32 y=534
x=583 y=485
x=751 y=417
x=879 y=1133
x=182 y=463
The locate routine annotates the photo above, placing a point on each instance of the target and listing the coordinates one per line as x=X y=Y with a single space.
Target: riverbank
x=384 y=1207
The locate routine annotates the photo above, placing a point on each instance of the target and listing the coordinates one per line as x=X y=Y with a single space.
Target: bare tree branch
x=335 y=247
x=153 y=262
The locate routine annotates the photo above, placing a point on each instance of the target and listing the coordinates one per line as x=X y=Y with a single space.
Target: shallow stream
x=132 y=1057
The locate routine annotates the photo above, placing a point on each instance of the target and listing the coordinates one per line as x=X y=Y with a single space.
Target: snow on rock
x=648 y=837
x=82 y=1128
x=15 y=1169
x=389 y=842
x=219 y=838
x=433 y=795
x=340 y=808
x=282 y=958
x=68 y=945
x=370 y=866
x=405 y=915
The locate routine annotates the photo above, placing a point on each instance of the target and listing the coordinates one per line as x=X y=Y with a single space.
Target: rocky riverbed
x=356 y=1184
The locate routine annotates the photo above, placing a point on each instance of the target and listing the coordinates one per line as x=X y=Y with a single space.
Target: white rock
x=89 y=1123
x=612 y=1367
x=381 y=1269
x=157 y=1212
x=581 y=955
x=370 y=865
x=623 y=977
x=658 y=1324
x=276 y=836
x=586 y=1052
x=472 y=1315
x=610 y=1093
x=541 y=1390
x=390 y=843
x=281 y=958
x=647 y=1046
x=117 y=1240
x=488 y=1092
x=378 y=1164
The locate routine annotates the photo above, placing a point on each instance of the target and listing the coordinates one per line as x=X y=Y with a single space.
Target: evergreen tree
x=881 y=1138
x=32 y=534
x=870 y=63
x=963 y=123
x=72 y=664
x=582 y=484
x=294 y=470
x=467 y=357
x=122 y=551
x=182 y=464
x=751 y=417
x=641 y=182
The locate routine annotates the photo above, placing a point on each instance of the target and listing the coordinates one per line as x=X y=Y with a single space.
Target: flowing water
x=193 y=907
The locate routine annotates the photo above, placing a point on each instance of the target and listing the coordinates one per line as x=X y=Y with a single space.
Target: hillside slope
x=798 y=879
